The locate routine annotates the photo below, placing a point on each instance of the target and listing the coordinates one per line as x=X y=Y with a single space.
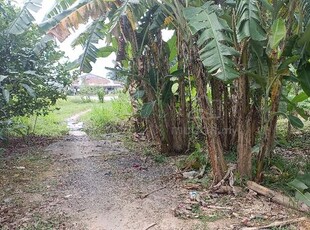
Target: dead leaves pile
x=246 y=209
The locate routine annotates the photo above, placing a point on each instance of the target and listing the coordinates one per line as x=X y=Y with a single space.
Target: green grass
x=282 y=170
x=110 y=116
x=107 y=117
x=299 y=137
x=290 y=168
x=54 y=124
x=159 y=158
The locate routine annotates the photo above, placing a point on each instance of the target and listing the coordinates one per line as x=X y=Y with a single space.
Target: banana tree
x=148 y=72
x=238 y=47
x=287 y=24
x=240 y=50
x=25 y=18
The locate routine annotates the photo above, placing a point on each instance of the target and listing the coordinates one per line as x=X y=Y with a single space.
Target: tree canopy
x=29 y=82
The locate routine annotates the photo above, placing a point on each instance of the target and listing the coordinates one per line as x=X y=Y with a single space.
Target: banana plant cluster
x=223 y=76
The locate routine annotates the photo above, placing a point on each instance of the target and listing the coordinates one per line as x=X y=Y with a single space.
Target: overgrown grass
x=299 y=138
x=107 y=117
x=110 y=116
x=54 y=124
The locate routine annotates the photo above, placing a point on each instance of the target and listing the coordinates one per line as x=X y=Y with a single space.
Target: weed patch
x=159 y=158
x=282 y=170
x=53 y=124
x=108 y=117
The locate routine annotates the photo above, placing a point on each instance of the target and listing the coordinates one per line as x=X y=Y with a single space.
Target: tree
x=236 y=56
x=29 y=83
x=259 y=53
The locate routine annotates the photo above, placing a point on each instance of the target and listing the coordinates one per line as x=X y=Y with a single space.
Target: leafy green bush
x=87 y=91
x=301 y=185
x=9 y=127
x=100 y=94
x=29 y=82
x=280 y=170
x=196 y=159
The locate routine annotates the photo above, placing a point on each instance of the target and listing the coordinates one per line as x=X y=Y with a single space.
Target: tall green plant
x=29 y=83
x=236 y=54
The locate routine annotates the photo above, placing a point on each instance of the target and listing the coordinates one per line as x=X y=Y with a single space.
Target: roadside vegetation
x=215 y=80
x=109 y=116
x=228 y=91
x=54 y=123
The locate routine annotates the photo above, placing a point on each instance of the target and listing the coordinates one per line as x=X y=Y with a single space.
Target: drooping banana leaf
x=59 y=26
x=90 y=37
x=249 y=23
x=216 y=50
x=117 y=15
x=59 y=6
x=24 y=18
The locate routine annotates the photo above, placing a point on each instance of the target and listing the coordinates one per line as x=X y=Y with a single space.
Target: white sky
x=73 y=54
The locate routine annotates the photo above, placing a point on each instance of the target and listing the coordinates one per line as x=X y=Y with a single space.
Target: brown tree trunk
x=182 y=141
x=255 y=123
x=135 y=106
x=233 y=123
x=209 y=124
x=221 y=105
x=244 y=129
x=171 y=114
x=217 y=106
x=227 y=121
x=213 y=139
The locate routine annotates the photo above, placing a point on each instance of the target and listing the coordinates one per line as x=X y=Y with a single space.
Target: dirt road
x=103 y=182
x=80 y=183
x=103 y=185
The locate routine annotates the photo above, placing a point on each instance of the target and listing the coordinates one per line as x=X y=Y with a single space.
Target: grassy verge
x=110 y=116
x=291 y=157
x=107 y=117
x=54 y=124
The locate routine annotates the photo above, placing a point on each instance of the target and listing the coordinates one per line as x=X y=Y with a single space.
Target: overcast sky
x=73 y=54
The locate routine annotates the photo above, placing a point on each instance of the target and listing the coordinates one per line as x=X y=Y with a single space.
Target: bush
x=29 y=83
x=100 y=94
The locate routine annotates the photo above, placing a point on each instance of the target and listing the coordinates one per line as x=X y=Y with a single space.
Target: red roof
x=94 y=80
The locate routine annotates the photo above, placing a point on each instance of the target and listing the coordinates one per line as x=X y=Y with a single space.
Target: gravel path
x=102 y=185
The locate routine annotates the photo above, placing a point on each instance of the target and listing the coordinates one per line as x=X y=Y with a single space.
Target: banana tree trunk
x=181 y=132
x=244 y=129
x=213 y=139
x=209 y=120
x=227 y=120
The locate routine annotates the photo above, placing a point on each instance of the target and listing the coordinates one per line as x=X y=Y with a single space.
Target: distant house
x=89 y=79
